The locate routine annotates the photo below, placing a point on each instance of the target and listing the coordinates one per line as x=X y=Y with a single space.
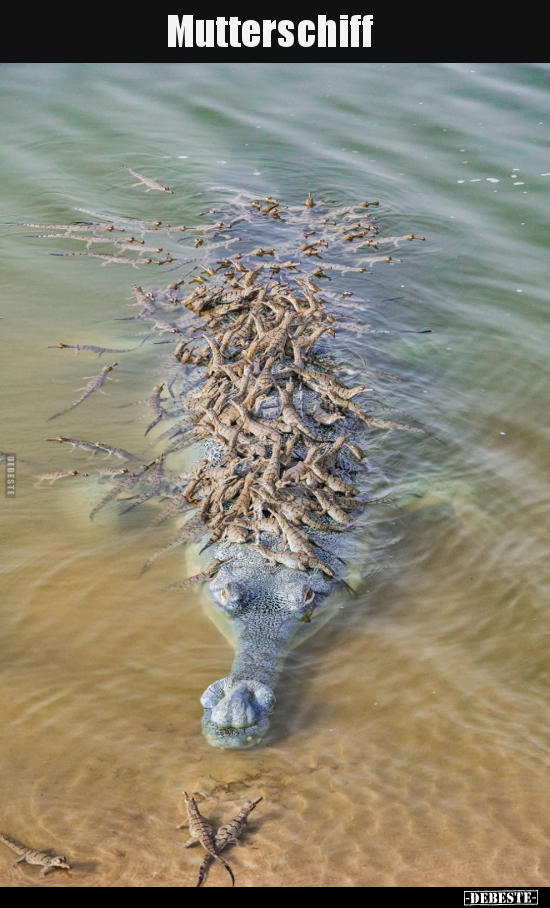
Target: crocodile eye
x=299 y=596
x=231 y=595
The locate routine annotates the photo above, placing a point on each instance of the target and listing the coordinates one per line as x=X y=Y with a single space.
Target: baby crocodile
x=92 y=349
x=94 y=446
x=125 y=485
x=154 y=401
x=200 y=829
x=95 y=384
x=76 y=443
x=31 y=856
x=118 y=452
x=145 y=181
x=227 y=835
x=53 y=477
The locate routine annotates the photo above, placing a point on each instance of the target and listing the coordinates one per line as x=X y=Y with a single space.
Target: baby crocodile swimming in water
x=31 y=856
x=94 y=446
x=95 y=384
x=93 y=349
x=146 y=181
x=125 y=485
x=53 y=477
x=227 y=835
x=76 y=443
x=118 y=452
x=200 y=829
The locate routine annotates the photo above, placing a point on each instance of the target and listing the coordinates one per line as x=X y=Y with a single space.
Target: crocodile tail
x=226 y=865
x=155 y=423
x=203 y=870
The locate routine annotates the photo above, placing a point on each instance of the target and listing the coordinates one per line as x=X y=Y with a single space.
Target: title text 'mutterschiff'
x=347 y=31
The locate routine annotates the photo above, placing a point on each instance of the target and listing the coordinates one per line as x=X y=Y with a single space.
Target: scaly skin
x=228 y=834
x=263 y=608
x=200 y=829
x=31 y=856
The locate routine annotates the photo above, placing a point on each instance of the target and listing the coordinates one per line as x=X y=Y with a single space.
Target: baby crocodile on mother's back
x=283 y=438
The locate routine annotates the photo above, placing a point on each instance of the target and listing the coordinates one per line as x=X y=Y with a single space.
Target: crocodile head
x=266 y=610
x=59 y=861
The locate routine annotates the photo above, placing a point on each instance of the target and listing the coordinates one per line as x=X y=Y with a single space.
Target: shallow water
x=410 y=741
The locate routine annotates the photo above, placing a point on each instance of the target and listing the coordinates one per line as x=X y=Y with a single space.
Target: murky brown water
x=410 y=741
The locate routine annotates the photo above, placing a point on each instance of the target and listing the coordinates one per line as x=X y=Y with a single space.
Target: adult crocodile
x=275 y=487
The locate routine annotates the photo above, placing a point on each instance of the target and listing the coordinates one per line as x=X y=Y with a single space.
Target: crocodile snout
x=236 y=712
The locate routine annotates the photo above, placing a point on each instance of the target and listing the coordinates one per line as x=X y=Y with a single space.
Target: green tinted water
x=410 y=740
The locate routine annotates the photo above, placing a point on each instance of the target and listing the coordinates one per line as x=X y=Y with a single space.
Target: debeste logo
x=501 y=896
